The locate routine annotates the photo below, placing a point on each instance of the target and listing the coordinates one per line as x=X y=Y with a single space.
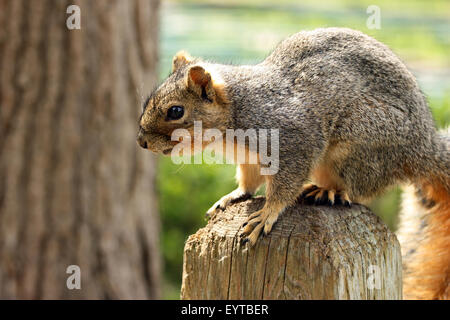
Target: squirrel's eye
x=175 y=112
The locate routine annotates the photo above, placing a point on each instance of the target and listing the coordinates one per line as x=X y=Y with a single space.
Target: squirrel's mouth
x=167 y=151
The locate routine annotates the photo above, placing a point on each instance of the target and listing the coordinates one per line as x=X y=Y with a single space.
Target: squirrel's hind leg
x=328 y=187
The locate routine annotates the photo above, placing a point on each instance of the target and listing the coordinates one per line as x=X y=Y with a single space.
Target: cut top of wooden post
x=313 y=252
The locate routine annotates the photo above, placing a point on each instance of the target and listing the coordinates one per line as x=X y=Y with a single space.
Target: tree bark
x=313 y=252
x=74 y=187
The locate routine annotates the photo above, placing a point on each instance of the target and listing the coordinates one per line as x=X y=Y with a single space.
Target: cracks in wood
x=286 y=259
x=231 y=262
x=265 y=268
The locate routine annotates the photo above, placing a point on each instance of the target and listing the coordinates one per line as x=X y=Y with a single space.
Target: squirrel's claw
x=260 y=223
x=343 y=198
x=233 y=197
x=313 y=194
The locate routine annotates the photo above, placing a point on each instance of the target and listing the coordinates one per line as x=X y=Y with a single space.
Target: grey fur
x=339 y=85
x=341 y=100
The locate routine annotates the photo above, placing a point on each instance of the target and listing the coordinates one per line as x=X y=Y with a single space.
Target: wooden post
x=313 y=252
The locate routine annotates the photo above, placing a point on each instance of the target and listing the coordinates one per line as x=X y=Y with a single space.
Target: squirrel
x=352 y=122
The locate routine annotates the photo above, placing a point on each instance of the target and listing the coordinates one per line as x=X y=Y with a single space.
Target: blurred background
x=244 y=32
x=75 y=189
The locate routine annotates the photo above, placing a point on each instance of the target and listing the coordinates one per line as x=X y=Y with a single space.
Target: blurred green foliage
x=244 y=32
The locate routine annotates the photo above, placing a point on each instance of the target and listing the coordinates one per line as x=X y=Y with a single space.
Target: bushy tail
x=424 y=232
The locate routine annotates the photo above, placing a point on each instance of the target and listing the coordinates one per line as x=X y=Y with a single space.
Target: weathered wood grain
x=314 y=252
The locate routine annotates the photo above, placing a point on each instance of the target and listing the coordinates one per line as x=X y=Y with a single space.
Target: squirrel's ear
x=200 y=81
x=180 y=59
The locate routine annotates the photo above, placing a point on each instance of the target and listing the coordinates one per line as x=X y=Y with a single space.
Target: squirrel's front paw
x=260 y=221
x=233 y=197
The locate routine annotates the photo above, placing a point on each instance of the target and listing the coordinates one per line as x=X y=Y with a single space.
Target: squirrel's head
x=193 y=91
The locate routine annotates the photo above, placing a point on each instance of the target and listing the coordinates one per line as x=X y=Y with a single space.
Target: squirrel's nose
x=141 y=140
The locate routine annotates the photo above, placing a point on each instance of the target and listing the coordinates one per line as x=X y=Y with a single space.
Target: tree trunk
x=74 y=187
x=313 y=252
